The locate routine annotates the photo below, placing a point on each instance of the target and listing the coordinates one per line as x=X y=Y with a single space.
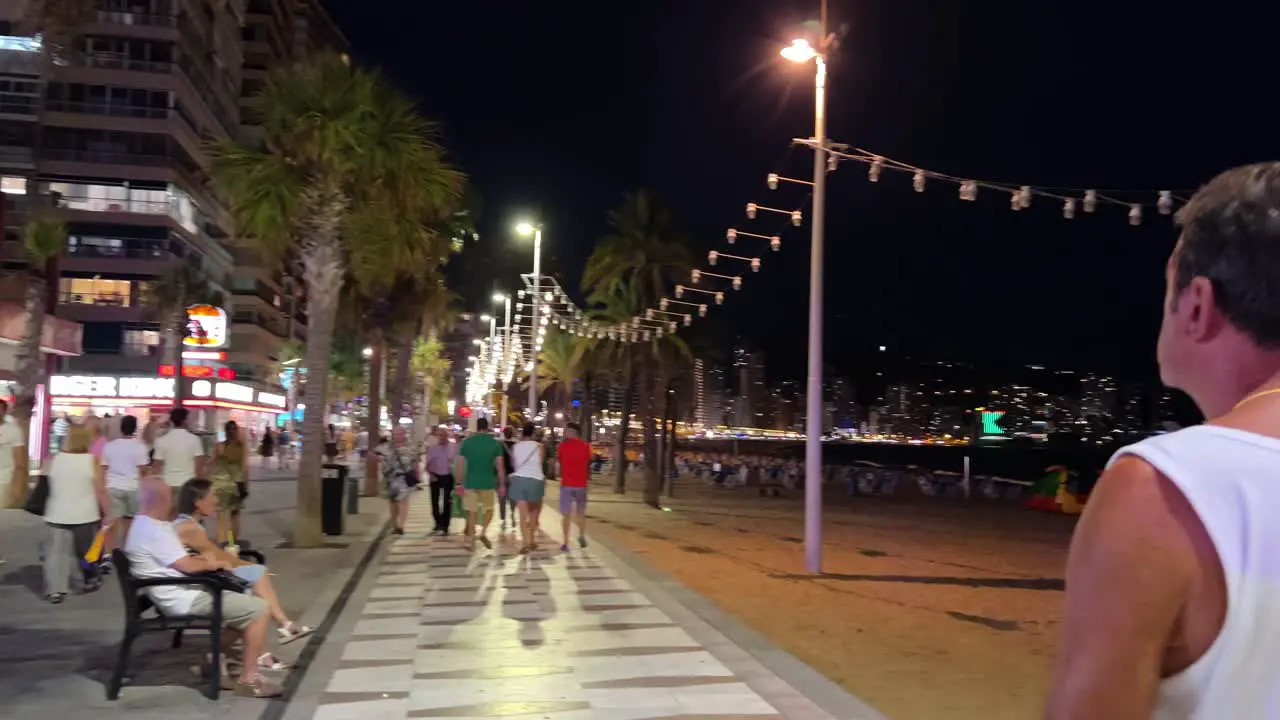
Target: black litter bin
x=333 y=482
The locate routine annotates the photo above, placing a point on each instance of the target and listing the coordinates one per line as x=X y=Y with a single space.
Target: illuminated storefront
x=212 y=402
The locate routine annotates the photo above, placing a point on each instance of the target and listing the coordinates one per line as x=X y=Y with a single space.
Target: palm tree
x=180 y=287
x=644 y=249
x=430 y=377
x=628 y=271
x=44 y=235
x=611 y=307
x=560 y=366
x=351 y=178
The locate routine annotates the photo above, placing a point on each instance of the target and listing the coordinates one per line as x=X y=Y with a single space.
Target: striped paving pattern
x=448 y=632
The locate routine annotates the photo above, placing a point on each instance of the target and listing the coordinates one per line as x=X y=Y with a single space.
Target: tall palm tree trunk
x=30 y=366
x=665 y=437
x=323 y=270
x=402 y=381
x=624 y=425
x=652 y=480
x=373 y=416
x=673 y=417
x=584 y=412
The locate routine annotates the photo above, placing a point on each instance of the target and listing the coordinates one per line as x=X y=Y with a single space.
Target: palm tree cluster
x=644 y=253
x=352 y=184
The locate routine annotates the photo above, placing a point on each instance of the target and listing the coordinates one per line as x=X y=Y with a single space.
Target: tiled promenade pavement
x=451 y=633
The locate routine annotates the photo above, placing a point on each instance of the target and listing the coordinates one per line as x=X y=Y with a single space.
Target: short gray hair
x=1231 y=235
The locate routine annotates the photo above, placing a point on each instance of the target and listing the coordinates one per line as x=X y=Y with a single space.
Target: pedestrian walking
x=440 y=458
x=574 y=455
x=481 y=463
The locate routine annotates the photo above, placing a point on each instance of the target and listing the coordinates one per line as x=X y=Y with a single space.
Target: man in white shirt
x=155 y=551
x=179 y=454
x=124 y=459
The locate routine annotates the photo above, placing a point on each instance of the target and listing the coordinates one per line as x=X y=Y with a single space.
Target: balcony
x=128 y=114
x=121 y=257
x=113 y=61
x=19 y=104
x=112 y=17
x=167 y=168
x=101 y=307
x=100 y=108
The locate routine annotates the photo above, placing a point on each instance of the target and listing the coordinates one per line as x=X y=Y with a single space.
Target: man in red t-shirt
x=575 y=471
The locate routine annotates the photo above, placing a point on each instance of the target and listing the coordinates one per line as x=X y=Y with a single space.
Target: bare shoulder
x=1135 y=507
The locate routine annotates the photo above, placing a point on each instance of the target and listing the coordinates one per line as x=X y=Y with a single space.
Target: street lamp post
x=506 y=353
x=802 y=51
x=535 y=230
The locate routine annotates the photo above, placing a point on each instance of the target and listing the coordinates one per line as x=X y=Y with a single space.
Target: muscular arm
x=1130 y=570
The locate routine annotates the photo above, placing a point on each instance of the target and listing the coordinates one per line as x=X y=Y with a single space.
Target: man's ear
x=1203 y=318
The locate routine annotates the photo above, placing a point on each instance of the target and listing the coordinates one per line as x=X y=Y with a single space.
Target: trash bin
x=333 y=478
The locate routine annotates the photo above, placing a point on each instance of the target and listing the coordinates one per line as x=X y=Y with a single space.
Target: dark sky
x=559 y=108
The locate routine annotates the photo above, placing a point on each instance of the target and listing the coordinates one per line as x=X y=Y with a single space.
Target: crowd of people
x=149 y=494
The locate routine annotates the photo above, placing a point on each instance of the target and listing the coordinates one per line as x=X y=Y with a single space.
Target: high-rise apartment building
x=113 y=134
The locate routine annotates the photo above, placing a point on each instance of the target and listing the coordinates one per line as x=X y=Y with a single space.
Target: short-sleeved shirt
x=575 y=457
x=178 y=450
x=480 y=450
x=122 y=458
x=153 y=547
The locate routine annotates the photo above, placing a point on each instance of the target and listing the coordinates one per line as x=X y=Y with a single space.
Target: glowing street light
x=526 y=229
x=367 y=352
x=799 y=51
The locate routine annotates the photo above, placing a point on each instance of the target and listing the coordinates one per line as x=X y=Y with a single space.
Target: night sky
x=559 y=108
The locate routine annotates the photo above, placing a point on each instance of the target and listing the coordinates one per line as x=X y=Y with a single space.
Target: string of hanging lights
x=1087 y=200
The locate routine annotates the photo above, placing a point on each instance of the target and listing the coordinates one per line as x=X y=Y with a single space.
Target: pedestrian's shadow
x=529 y=576
x=30 y=577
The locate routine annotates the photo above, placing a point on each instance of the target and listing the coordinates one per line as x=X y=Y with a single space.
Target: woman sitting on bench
x=196 y=501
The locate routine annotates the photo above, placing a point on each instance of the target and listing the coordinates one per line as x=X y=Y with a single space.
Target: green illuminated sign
x=990 y=420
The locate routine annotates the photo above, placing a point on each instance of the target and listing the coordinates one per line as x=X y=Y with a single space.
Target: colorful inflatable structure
x=1051 y=493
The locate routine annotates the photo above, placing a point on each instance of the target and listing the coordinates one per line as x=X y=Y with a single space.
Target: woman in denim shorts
x=527 y=486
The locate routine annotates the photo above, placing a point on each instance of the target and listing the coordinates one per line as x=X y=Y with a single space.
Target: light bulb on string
x=648 y=314
x=775 y=242
x=731 y=236
x=679 y=291
x=917 y=181
x=751 y=211
x=663 y=304
x=1024 y=196
x=1069 y=208
x=711 y=257
x=773 y=181
x=1135 y=214
x=1015 y=202
x=719 y=298
x=737 y=283
x=688 y=320
x=702 y=310
x=695 y=276
x=1090 y=200
x=671 y=326
x=1165 y=202
x=755 y=264
x=833 y=162
x=797 y=218
x=873 y=172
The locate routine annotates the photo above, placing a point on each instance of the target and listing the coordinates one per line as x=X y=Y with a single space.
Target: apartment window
x=141 y=343
x=95 y=291
x=108 y=100
x=13 y=185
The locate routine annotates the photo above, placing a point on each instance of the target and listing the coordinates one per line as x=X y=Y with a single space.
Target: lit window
x=12 y=185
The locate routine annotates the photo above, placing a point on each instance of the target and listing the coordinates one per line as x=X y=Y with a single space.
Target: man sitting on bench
x=154 y=550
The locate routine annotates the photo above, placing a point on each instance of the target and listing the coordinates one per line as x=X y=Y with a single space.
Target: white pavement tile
x=390 y=709
x=384 y=678
x=391 y=649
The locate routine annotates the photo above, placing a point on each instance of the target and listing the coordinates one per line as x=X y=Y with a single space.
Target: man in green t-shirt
x=481 y=463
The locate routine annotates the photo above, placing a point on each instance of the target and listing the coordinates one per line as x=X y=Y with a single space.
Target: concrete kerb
x=322 y=614
x=797 y=690
x=301 y=704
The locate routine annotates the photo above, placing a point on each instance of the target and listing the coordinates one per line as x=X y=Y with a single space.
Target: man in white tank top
x=1173 y=582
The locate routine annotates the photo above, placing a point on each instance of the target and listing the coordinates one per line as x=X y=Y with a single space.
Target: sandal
x=292 y=632
x=267 y=661
x=257 y=688
x=55 y=598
